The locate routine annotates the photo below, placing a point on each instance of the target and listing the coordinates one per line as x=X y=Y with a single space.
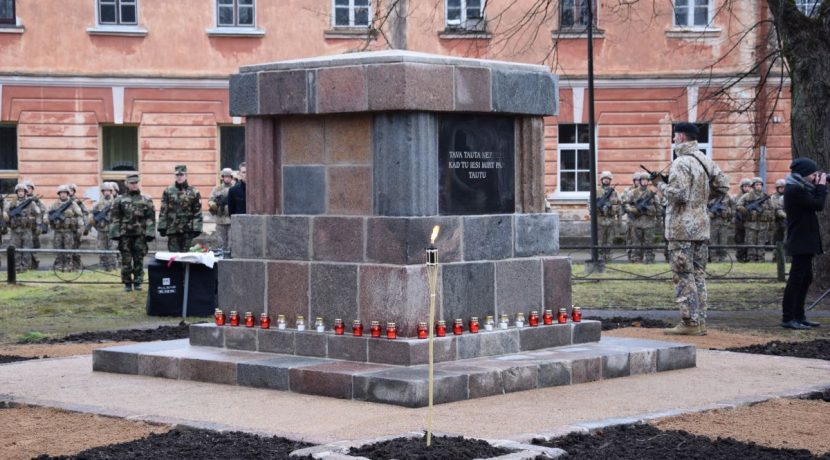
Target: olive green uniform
x=133 y=224
x=180 y=216
x=65 y=226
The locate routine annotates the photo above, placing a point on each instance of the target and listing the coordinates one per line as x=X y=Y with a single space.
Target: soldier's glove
x=44 y=229
x=116 y=238
x=149 y=238
x=163 y=233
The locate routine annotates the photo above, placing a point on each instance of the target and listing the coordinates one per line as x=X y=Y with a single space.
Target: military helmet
x=606 y=175
x=20 y=186
x=746 y=181
x=28 y=183
x=106 y=186
x=780 y=183
x=757 y=180
x=226 y=172
x=72 y=187
x=63 y=188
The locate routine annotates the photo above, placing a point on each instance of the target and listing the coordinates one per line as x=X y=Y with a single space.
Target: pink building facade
x=93 y=89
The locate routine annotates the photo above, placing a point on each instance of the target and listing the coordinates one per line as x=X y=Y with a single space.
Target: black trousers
x=795 y=294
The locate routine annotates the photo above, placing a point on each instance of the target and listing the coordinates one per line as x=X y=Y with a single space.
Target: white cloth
x=205 y=258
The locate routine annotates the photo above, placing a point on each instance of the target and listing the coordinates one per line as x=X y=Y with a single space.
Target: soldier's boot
x=128 y=287
x=686 y=327
x=702 y=323
x=137 y=286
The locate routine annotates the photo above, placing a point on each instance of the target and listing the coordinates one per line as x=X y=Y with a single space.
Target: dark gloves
x=163 y=232
x=149 y=238
x=44 y=229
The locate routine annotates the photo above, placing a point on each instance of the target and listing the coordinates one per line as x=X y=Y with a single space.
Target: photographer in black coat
x=804 y=196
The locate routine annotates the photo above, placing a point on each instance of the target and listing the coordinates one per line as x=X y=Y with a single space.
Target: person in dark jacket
x=236 y=194
x=804 y=195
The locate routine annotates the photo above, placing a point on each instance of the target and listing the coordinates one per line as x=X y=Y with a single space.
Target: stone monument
x=352 y=160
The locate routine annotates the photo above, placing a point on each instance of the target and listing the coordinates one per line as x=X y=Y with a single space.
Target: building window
x=231 y=146
x=574 y=158
x=704 y=139
x=235 y=13
x=808 y=7
x=8 y=158
x=691 y=13
x=7 y=15
x=574 y=14
x=120 y=148
x=351 y=13
x=117 y=12
x=465 y=14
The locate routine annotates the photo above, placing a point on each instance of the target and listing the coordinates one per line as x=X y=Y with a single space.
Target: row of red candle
x=391 y=329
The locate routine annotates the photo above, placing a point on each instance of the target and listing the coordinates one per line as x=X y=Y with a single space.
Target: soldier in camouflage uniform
x=44 y=226
x=608 y=213
x=779 y=226
x=720 y=209
x=757 y=213
x=218 y=205
x=133 y=226
x=22 y=215
x=642 y=219
x=100 y=220
x=180 y=217
x=65 y=218
x=740 y=228
x=83 y=230
x=629 y=237
x=687 y=189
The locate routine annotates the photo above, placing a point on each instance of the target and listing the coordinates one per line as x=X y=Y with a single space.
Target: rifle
x=602 y=203
x=18 y=210
x=222 y=200
x=717 y=207
x=103 y=215
x=642 y=204
x=652 y=174
x=756 y=205
x=56 y=214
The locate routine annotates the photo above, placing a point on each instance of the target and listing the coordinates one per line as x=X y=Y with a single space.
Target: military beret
x=132 y=179
x=181 y=169
x=226 y=172
x=687 y=128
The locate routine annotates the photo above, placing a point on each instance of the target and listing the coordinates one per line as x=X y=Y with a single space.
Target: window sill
x=692 y=32
x=122 y=31
x=12 y=29
x=462 y=34
x=349 y=33
x=569 y=197
x=252 y=32
x=570 y=34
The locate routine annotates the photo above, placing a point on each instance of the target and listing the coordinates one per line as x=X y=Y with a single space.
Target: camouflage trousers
x=179 y=242
x=35 y=245
x=107 y=261
x=642 y=236
x=688 y=265
x=605 y=238
x=223 y=236
x=21 y=238
x=718 y=236
x=76 y=243
x=133 y=249
x=64 y=239
x=756 y=233
x=740 y=238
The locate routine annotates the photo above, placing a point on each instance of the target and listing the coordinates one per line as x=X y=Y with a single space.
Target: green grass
x=633 y=294
x=29 y=310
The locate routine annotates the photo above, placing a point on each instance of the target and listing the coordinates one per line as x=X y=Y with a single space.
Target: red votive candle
x=264 y=321
x=576 y=314
x=249 y=319
x=391 y=331
x=219 y=316
x=357 y=328
x=533 y=319
x=458 y=327
x=563 y=316
x=338 y=327
x=374 y=329
x=474 y=325
x=234 y=318
x=422 y=330
x=441 y=328
x=547 y=317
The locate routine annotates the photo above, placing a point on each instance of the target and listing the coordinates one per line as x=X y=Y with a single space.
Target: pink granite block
x=341 y=89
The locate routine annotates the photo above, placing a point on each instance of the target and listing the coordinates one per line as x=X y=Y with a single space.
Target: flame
x=434 y=234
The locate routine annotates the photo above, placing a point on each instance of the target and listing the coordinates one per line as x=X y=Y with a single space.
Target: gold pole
x=432 y=277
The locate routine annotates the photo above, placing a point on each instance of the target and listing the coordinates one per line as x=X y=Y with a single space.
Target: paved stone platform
x=398 y=385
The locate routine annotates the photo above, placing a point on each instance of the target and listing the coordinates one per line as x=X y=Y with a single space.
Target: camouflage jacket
x=218 y=203
x=648 y=210
x=132 y=214
x=103 y=209
x=722 y=208
x=82 y=206
x=181 y=210
x=71 y=218
x=610 y=209
x=777 y=200
x=688 y=192
x=30 y=216
x=762 y=213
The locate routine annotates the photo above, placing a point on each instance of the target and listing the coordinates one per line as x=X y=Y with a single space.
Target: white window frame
x=127 y=30
x=351 y=7
x=579 y=27
x=461 y=22
x=808 y=7
x=578 y=195
x=707 y=146
x=118 y=22
x=690 y=7
x=235 y=6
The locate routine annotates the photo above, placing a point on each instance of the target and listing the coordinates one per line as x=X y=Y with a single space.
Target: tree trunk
x=806 y=47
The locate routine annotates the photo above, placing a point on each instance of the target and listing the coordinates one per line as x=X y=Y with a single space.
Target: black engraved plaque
x=476 y=164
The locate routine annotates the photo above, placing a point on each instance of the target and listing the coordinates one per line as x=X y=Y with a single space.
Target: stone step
x=398 y=385
x=401 y=351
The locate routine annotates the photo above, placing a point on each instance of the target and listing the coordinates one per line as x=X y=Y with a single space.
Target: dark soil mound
x=182 y=331
x=817 y=349
x=14 y=358
x=637 y=442
x=618 y=322
x=193 y=444
x=442 y=448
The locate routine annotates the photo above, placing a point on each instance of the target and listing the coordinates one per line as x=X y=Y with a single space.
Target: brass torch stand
x=432 y=277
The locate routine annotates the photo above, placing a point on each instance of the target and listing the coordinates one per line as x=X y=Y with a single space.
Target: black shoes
x=137 y=286
x=809 y=323
x=128 y=287
x=794 y=324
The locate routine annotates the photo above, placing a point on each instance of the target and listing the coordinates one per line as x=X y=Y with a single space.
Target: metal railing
x=11 y=265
